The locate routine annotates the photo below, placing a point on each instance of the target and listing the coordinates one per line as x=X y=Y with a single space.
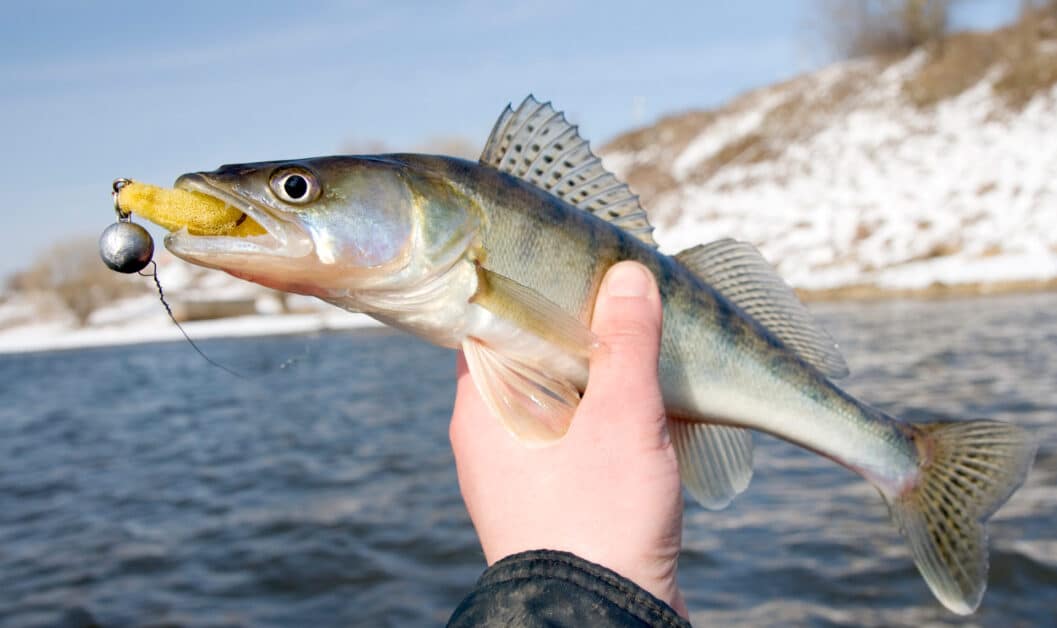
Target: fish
x=502 y=258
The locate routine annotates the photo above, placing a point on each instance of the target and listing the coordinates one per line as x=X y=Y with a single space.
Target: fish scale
x=503 y=258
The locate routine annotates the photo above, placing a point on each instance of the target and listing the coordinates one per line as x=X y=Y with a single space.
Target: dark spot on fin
x=551 y=155
x=971 y=468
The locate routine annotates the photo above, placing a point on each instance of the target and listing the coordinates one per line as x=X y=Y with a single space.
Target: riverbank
x=54 y=336
x=57 y=336
x=935 y=291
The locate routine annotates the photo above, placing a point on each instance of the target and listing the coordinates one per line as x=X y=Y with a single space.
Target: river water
x=141 y=486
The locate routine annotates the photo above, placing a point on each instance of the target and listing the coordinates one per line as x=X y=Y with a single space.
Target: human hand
x=609 y=490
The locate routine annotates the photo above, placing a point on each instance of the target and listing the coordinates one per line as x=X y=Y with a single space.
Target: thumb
x=622 y=383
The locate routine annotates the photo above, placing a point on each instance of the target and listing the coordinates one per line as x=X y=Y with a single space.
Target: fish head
x=332 y=225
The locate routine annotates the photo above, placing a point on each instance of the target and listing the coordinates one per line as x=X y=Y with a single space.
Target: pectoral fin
x=533 y=406
x=533 y=312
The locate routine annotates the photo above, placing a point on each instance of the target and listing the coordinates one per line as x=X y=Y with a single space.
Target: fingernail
x=627 y=280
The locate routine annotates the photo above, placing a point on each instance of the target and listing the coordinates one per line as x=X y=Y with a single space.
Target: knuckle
x=633 y=333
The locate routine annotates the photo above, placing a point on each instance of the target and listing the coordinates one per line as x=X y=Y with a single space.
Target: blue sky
x=93 y=91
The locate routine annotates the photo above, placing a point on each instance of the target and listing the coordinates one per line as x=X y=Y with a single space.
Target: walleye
x=503 y=259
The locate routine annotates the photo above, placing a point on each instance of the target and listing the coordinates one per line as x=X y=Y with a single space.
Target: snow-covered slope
x=227 y=307
x=849 y=184
x=936 y=172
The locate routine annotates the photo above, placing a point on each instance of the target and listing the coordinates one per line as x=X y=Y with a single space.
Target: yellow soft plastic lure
x=174 y=209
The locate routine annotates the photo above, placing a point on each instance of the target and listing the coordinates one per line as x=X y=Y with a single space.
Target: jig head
x=125 y=246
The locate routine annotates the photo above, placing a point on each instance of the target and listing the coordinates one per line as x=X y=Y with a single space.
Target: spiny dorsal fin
x=740 y=273
x=537 y=144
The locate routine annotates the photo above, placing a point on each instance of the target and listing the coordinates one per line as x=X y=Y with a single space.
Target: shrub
x=73 y=271
x=857 y=28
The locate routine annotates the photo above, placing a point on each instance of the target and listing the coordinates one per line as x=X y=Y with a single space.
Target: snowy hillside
x=870 y=176
x=934 y=173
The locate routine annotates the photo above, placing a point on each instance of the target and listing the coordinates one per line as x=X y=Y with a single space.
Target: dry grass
x=962 y=61
x=677 y=129
x=1031 y=56
x=1024 y=54
x=1019 y=60
x=986 y=188
x=871 y=292
x=747 y=149
x=880 y=28
x=73 y=272
x=650 y=180
x=811 y=108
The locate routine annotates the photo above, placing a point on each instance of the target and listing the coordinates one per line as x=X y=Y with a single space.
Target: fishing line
x=294 y=361
x=128 y=248
x=161 y=295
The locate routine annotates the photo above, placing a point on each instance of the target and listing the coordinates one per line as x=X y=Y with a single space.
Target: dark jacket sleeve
x=548 y=588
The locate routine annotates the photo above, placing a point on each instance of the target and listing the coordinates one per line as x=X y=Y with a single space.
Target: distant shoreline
x=45 y=337
x=39 y=338
x=872 y=292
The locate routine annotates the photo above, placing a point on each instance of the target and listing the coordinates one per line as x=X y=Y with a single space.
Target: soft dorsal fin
x=537 y=144
x=742 y=275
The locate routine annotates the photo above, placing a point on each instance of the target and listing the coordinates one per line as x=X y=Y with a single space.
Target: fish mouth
x=282 y=238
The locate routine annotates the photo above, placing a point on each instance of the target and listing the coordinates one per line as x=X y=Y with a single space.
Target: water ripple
x=139 y=486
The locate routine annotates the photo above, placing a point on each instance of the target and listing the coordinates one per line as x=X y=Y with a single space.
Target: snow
x=39 y=321
x=730 y=128
x=952 y=270
x=17 y=311
x=137 y=308
x=878 y=191
x=864 y=189
x=58 y=335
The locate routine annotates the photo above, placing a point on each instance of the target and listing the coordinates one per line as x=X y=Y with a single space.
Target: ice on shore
x=49 y=336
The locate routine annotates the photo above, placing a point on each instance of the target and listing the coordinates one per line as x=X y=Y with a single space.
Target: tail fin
x=969 y=469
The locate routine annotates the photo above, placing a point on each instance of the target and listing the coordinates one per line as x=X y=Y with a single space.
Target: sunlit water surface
x=141 y=486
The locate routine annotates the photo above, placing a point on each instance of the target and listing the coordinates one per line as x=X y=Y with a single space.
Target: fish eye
x=295 y=185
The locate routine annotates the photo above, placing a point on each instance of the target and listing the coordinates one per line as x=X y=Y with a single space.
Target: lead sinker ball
x=126 y=247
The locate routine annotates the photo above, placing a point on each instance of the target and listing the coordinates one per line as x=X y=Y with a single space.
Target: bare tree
x=856 y=28
x=72 y=270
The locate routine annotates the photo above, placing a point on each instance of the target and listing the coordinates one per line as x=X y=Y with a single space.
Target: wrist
x=660 y=583
x=599 y=579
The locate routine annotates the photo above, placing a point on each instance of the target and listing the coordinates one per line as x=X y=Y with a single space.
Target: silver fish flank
x=503 y=258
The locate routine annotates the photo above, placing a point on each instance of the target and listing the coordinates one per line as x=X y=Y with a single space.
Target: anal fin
x=715 y=461
x=533 y=406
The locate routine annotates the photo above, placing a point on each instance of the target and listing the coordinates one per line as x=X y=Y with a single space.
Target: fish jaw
x=280 y=258
x=379 y=235
x=354 y=231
